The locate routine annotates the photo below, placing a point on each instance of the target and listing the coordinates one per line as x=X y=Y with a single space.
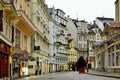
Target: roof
x=114 y=24
x=103 y=19
x=75 y=21
x=91 y=27
x=60 y=10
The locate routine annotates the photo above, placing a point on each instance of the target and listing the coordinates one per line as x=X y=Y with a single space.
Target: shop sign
x=36 y=48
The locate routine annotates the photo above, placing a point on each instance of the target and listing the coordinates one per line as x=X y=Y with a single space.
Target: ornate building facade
x=40 y=40
x=60 y=39
x=6 y=37
x=108 y=52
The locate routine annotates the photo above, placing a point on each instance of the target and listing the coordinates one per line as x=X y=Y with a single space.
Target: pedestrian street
x=68 y=76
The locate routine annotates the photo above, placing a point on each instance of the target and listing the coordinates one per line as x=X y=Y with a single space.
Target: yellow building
x=73 y=53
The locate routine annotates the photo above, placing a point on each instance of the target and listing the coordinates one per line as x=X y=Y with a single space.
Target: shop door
x=3 y=65
x=0 y=67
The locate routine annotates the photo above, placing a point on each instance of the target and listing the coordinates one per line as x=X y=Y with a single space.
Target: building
x=73 y=54
x=23 y=30
x=82 y=36
x=72 y=28
x=96 y=36
x=18 y=30
x=40 y=40
x=59 y=38
x=78 y=30
x=7 y=17
x=52 y=61
x=101 y=20
x=107 y=53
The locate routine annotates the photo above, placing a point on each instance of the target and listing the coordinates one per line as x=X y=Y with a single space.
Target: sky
x=85 y=9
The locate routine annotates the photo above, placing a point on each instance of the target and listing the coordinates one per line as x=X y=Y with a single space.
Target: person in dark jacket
x=73 y=68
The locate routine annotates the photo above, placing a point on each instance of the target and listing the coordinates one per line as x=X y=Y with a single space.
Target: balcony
x=45 y=38
x=9 y=9
x=24 y=23
x=82 y=32
x=58 y=42
x=82 y=49
x=65 y=44
x=61 y=55
x=57 y=34
x=62 y=24
x=69 y=34
x=62 y=33
x=9 y=2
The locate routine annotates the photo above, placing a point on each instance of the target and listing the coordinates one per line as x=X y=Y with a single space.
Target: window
x=25 y=42
x=112 y=59
x=85 y=45
x=80 y=38
x=117 y=59
x=109 y=60
x=80 y=45
x=17 y=38
x=98 y=37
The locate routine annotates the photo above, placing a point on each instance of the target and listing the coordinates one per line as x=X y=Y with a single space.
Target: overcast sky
x=85 y=9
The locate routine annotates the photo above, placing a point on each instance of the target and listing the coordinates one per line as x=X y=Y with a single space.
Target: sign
x=36 y=48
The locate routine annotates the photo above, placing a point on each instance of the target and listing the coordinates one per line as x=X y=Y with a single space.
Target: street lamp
x=87 y=54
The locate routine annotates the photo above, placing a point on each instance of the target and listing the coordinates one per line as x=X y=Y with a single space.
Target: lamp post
x=87 y=54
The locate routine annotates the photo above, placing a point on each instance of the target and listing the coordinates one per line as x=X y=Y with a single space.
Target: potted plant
x=81 y=64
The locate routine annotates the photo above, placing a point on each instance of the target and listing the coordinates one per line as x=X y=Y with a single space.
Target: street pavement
x=68 y=76
x=105 y=74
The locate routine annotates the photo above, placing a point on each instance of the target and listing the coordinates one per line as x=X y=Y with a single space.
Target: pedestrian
x=73 y=68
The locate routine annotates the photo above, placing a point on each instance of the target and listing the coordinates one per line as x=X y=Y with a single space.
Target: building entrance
x=3 y=65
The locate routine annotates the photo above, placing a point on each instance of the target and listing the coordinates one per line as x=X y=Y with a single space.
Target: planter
x=81 y=70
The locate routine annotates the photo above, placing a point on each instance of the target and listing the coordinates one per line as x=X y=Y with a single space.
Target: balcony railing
x=61 y=55
x=82 y=32
x=62 y=24
x=8 y=1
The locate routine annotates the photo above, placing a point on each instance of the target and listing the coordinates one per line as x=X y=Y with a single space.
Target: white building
x=96 y=36
x=82 y=36
x=101 y=20
x=79 y=30
x=39 y=63
x=59 y=40
x=72 y=28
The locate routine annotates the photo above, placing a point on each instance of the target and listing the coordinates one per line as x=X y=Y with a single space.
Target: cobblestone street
x=68 y=76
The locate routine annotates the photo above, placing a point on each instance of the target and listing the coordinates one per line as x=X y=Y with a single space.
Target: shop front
x=20 y=63
x=4 y=59
x=16 y=67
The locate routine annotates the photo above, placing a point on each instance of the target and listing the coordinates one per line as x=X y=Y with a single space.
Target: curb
x=104 y=75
